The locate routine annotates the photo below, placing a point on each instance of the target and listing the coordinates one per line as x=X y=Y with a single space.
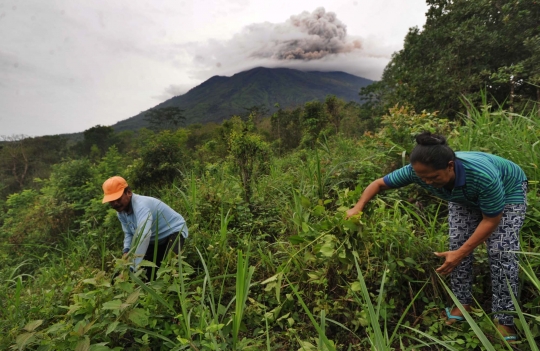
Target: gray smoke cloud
x=172 y=91
x=308 y=36
x=310 y=41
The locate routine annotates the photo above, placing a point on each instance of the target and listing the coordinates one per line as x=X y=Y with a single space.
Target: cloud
x=308 y=36
x=172 y=91
x=308 y=41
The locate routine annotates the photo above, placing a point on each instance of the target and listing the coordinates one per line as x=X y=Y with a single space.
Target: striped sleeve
x=400 y=177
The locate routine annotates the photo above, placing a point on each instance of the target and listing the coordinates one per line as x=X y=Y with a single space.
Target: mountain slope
x=221 y=97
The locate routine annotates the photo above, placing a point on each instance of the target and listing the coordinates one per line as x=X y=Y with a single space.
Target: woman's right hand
x=371 y=190
x=351 y=212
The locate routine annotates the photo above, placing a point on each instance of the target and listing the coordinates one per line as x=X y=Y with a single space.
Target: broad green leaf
x=305 y=202
x=133 y=297
x=212 y=328
x=55 y=327
x=306 y=346
x=24 y=339
x=305 y=227
x=410 y=260
x=111 y=327
x=31 y=326
x=350 y=225
x=112 y=305
x=74 y=308
x=83 y=345
x=152 y=292
x=296 y=239
x=327 y=251
x=271 y=279
x=356 y=286
x=138 y=316
x=100 y=347
x=313 y=276
x=145 y=263
x=90 y=281
x=318 y=210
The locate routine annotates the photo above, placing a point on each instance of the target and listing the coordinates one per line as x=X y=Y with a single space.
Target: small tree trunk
x=538 y=101
x=511 y=97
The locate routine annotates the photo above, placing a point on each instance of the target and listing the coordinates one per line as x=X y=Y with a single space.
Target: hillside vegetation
x=221 y=97
x=271 y=263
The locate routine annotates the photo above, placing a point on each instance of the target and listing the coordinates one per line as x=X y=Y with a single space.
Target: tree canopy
x=465 y=47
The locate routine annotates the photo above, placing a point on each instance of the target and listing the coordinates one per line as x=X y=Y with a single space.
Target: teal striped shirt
x=483 y=181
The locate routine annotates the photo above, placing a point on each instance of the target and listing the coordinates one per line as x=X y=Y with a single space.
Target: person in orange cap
x=146 y=222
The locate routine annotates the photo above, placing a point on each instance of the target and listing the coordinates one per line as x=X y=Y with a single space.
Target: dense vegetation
x=221 y=97
x=466 y=47
x=271 y=263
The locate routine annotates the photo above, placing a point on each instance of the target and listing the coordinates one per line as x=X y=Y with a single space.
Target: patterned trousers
x=503 y=263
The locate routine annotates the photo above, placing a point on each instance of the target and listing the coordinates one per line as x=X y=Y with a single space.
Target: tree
x=464 y=47
x=248 y=152
x=532 y=65
x=334 y=110
x=286 y=128
x=314 y=119
x=23 y=158
x=164 y=118
x=257 y=112
x=16 y=159
x=96 y=142
x=162 y=159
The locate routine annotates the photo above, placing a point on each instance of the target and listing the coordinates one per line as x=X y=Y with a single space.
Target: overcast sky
x=66 y=65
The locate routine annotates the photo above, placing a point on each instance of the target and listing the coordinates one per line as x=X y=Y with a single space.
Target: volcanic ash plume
x=308 y=36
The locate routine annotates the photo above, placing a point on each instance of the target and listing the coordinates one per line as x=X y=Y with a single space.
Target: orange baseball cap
x=113 y=188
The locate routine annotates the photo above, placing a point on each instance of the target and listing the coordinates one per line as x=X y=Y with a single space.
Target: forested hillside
x=464 y=48
x=260 y=88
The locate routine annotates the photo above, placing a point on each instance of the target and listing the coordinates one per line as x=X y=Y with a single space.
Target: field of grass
x=284 y=271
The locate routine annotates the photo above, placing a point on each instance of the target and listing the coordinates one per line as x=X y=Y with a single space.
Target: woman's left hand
x=452 y=259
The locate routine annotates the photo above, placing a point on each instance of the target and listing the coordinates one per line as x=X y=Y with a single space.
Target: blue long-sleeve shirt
x=149 y=217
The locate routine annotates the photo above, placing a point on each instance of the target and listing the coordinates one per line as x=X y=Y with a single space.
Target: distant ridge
x=220 y=97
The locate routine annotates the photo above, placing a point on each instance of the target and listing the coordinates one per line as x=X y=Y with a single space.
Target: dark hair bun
x=426 y=138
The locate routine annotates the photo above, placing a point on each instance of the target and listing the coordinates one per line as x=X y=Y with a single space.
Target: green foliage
x=72 y=182
x=23 y=158
x=314 y=119
x=162 y=159
x=464 y=47
x=164 y=118
x=282 y=269
x=334 y=111
x=249 y=153
x=402 y=124
x=286 y=128
x=96 y=141
x=220 y=97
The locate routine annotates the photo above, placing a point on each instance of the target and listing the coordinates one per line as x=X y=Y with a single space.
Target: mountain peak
x=221 y=97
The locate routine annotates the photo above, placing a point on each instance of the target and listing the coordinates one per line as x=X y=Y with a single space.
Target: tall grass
x=510 y=135
x=318 y=282
x=244 y=272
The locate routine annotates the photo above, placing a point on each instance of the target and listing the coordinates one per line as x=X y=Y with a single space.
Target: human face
x=122 y=203
x=436 y=178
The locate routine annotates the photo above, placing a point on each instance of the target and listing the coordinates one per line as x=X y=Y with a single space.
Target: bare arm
x=453 y=258
x=372 y=189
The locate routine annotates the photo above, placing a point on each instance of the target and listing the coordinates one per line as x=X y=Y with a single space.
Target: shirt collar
x=460 y=173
